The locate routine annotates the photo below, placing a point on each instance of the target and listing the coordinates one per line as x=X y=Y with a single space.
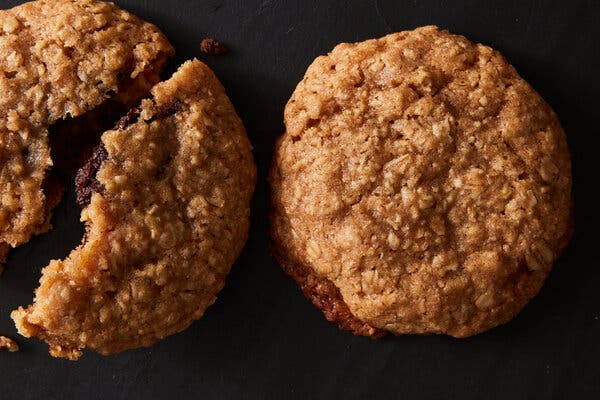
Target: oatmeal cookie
x=421 y=186
x=169 y=191
x=58 y=60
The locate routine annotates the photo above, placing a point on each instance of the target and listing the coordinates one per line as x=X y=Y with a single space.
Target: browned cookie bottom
x=324 y=295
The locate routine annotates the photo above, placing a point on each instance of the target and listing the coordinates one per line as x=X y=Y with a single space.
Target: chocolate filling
x=86 y=183
x=129 y=118
x=169 y=109
x=72 y=142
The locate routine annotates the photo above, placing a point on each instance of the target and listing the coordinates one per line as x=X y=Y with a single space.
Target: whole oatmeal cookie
x=60 y=59
x=421 y=186
x=169 y=214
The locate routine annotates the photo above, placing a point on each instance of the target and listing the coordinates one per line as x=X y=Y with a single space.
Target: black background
x=262 y=339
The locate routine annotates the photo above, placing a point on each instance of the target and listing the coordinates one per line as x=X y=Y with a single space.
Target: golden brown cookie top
x=59 y=59
x=171 y=216
x=424 y=178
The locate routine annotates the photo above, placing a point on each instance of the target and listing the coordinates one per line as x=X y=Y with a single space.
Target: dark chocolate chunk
x=86 y=183
x=169 y=109
x=129 y=118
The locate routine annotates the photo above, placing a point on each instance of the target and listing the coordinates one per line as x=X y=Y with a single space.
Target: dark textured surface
x=263 y=339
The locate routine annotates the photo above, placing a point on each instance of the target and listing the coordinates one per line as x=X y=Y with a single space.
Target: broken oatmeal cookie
x=168 y=214
x=59 y=60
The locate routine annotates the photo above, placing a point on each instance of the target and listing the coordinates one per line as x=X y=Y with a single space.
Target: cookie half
x=421 y=186
x=169 y=192
x=58 y=60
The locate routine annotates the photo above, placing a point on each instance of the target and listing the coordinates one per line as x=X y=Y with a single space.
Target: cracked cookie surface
x=425 y=179
x=60 y=59
x=166 y=220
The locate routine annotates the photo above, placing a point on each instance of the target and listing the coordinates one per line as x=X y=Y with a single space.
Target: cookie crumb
x=212 y=47
x=169 y=109
x=8 y=344
x=327 y=297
